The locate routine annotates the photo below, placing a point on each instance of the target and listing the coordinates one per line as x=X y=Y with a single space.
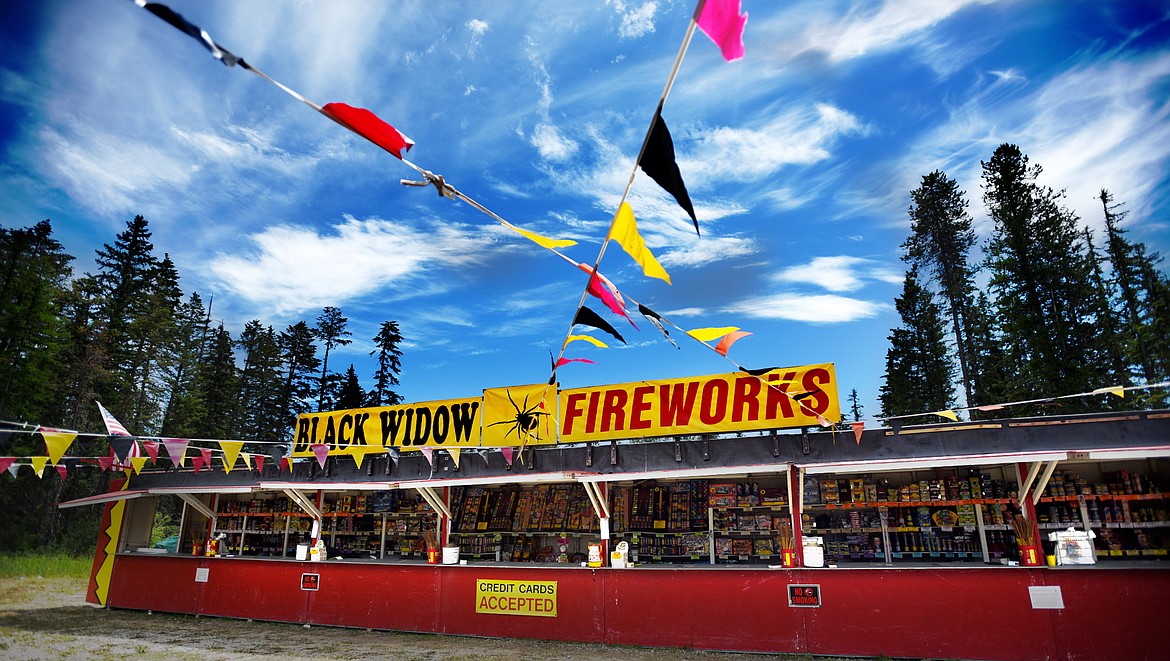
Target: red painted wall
x=961 y=612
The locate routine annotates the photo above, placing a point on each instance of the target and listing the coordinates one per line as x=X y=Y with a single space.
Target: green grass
x=30 y=565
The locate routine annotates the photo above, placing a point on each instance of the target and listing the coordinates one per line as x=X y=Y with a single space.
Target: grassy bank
x=32 y=565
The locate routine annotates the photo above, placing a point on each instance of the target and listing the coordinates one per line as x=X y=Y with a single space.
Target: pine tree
x=181 y=368
x=389 y=365
x=350 y=395
x=919 y=374
x=939 y=245
x=217 y=385
x=260 y=384
x=330 y=329
x=300 y=365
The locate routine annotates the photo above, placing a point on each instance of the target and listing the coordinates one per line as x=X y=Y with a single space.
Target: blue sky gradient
x=800 y=159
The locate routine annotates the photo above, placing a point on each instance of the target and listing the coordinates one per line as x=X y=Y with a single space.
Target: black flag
x=588 y=317
x=658 y=162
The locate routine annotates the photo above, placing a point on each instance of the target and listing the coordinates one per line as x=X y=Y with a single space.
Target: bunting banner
x=721 y=21
x=13 y=467
x=231 y=450
x=858 y=427
x=520 y=415
x=509 y=454
x=321 y=452
x=369 y=126
x=562 y=361
x=454 y=452
x=57 y=443
x=656 y=319
x=587 y=338
x=700 y=405
x=540 y=240
x=105 y=463
x=197 y=462
x=122 y=447
x=659 y=163
x=63 y=471
x=206 y=454
x=137 y=463
x=428 y=453
x=277 y=453
x=727 y=340
x=624 y=230
x=151 y=448
x=6 y=463
x=708 y=334
x=587 y=317
x=597 y=290
x=259 y=459
x=247 y=461
x=174 y=18
x=38 y=465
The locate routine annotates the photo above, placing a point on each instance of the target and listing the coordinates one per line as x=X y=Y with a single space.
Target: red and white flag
x=113 y=427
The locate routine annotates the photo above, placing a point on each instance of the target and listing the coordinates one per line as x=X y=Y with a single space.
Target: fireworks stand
x=923 y=535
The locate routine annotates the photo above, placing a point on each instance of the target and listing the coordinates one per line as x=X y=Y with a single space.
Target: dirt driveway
x=44 y=618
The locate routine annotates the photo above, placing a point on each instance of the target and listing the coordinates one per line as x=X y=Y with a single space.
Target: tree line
x=126 y=336
x=1045 y=309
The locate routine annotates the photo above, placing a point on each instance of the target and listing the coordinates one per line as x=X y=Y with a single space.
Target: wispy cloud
x=636 y=21
x=818 y=309
x=839 y=273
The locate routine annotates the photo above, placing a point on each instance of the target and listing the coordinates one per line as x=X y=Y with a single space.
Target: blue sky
x=799 y=158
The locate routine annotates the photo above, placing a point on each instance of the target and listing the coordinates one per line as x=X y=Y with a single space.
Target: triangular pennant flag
x=151 y=448
x=231 y=450
x=277 y=453
x=588 y=317
x=6 y=463
x=1113 y=390
x=174 y=18
x=197 y=462
x=948 y=414
x=63 y=471
x=721 y=20
x=858 y=427
x=206 y=454
x=656 y=319
x=508 y=453
x=38 y=465
x=429 y=454
x=369 y=126
x=13 y=468
x=565 y=361
x=538 y=239
x=137 y=463
x=731 y=338
x=321 y=451
x=176 y=449
x=596 y=289
x=454 y=452
x=259 y=459
x=285 y=463
x=708 y=334
x=625 y=231
x=759 y=371
x=121 y=445
x=990 y=407
x=247 y=460
x=658 y=162
x=358 y=455
x=586 y=338
x=57 y=443
x=823 y=421
x=105 y=463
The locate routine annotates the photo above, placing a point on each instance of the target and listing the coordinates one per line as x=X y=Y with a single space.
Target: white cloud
x=821 y=309
x=477 y=27
x=636 y=21
x=708 y=251
x=296 y=268
x=838 y=273
x=551 y=144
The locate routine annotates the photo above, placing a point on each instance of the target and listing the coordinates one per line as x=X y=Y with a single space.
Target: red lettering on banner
x=811 y=382
x=613 y=412
x=677 y=400
x=746 y=405
x=777 y=397
x=714 y=405
x=573 y=411
x=640 y=406
x=591 y=419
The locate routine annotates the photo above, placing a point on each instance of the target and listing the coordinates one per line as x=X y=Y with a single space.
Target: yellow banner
x=439 y=424
x=520 y=415
x=783 y=397
x=534 y=598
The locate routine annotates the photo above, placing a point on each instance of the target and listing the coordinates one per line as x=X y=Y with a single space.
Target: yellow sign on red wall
x=783 y=397
x=532 y=598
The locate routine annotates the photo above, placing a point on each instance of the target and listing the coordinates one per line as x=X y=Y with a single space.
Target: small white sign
x=201 y=574
x=605 y=528
x=1046 y=597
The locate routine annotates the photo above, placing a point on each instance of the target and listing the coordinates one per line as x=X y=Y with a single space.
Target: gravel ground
x=44 y=618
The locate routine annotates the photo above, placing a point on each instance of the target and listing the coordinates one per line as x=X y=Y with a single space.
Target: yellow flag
x=231 y=450
x=542 y=241
x=586 y=338
x=57 y=443
x=38 y=465
x=247 y=460
x=948 y=414
x=454 y=452
x=137 y=463
x=708 y=334
x=625 y=232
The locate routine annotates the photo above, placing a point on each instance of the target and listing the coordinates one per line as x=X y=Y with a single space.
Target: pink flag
x=105 y=463
x=731 y=338
x=5 y=462
x=62 y=470
x=321 y=451
x=508 y=454
x=858 y=427
x=206 y=454
x=429 y=454
x=566 y=361
x=721 y=20
x=369 y=126
x=176 y=448
x=151 y=448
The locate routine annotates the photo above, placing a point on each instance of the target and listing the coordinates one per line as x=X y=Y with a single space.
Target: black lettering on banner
x=359 y=429
x=342 y=441
x=302 y=442
x=330 y=432
x=422 y=425
x=442 y=424
x=463 y=416
x=391 y=421
x=406 y=438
